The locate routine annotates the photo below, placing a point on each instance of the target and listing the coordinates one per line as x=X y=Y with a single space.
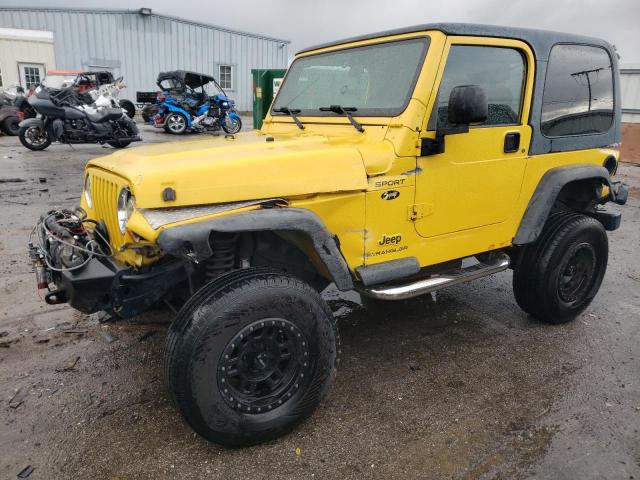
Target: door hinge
x=419 y=210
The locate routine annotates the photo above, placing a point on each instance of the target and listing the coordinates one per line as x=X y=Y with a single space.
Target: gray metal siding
x=139 y=47
x=630 y=90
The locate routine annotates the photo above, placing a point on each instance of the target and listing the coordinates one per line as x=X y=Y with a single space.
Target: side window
x=499 y=71
x=578 y=91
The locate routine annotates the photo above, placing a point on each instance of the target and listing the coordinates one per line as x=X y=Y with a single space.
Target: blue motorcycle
x=183 y=108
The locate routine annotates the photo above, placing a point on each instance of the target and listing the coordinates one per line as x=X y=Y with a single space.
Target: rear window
x=578 y=91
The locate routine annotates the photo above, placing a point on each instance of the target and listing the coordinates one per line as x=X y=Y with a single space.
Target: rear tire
x=34 y=138
x=561 y=272
x=129 y=107
x=11 y=126
x=175 y=123
x=250 y=356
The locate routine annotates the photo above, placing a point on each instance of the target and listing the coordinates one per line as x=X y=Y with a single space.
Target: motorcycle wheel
x=34 y=138
x=129 y=108
x=121 y=143
x=118 y=143
x=176 y=123
x=148 y=112
x=11 y=126
x=231 y=126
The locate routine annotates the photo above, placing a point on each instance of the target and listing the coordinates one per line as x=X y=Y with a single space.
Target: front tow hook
x=54 y=298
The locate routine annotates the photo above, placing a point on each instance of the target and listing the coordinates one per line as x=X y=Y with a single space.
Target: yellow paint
x=372 y=190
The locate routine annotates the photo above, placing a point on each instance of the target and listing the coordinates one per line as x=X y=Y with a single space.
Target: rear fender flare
x=546 y=193
x=191 y=241
x=173 y=108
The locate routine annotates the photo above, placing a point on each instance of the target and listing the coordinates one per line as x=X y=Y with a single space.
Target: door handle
x=511 y=142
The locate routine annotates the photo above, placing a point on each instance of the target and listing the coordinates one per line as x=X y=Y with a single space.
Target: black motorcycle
x=64 y=117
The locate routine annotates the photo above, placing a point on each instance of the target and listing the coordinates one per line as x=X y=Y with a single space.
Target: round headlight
x=126 y=204
x=87 y=191
x=225 y=104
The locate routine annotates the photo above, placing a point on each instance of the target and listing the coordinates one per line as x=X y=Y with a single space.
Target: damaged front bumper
x=99 y=283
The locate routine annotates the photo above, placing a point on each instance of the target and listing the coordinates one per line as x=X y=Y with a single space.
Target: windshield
x=377 y=79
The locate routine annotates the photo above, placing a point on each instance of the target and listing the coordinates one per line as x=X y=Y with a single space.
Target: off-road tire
x=540 y=278
x=11 y=126
x=200 y=337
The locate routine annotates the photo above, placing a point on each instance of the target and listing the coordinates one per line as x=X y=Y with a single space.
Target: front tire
x=562 y=271
x=34 y=138
x=175 y=123
x=11 y=126
x=250 y=356
x=230 y=125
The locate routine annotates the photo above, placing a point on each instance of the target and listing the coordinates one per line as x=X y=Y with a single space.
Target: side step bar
x=427 y=285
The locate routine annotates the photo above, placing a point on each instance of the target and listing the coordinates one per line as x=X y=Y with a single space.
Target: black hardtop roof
x=540 y=40
x=191 y=79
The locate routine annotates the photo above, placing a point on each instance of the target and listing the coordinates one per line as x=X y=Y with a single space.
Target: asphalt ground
x=461 y=384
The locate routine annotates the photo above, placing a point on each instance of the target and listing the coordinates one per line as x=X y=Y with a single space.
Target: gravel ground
x=458 y=385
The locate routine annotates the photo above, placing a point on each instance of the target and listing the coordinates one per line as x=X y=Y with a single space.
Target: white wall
x=24 y=46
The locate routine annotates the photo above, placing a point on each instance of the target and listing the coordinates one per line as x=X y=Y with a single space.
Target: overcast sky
x=307 y=22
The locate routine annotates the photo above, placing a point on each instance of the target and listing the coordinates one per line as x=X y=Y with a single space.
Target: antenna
x=586 y=73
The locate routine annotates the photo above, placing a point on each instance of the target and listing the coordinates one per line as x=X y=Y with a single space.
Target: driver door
x=476 y=181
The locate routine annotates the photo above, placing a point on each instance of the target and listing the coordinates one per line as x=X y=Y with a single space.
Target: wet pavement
x=459 y=385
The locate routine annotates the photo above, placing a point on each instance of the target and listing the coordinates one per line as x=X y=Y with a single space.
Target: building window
x=578 y=91
x=226 y=76
x=499 y=71
x=31 y=75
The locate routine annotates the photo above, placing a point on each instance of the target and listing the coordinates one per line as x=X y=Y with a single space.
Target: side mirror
x=467 y=104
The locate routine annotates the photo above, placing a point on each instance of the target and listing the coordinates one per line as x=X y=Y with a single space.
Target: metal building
x=138 y=44
x=630 y=92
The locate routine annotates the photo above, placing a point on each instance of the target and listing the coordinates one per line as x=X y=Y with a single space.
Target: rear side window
x=578 y=91
x=499 y=71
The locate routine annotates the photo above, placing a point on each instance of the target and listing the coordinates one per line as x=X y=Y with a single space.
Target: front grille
x=104 y=193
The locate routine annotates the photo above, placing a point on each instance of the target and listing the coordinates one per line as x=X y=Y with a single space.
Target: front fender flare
x=546 y=194
x=192 y=240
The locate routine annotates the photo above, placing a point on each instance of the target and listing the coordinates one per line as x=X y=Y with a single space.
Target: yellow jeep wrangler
x=395 y=164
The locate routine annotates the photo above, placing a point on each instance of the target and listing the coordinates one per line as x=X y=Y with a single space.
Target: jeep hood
x=247 y=167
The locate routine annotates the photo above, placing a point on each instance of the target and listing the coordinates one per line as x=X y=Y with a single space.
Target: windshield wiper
x=292 y=113
x=345 y=111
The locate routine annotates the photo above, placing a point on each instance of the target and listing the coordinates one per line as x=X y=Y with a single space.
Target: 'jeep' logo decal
x=390 y=240
x=390 y=195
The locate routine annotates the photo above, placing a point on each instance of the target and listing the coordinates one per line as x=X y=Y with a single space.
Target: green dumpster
x=266 y=83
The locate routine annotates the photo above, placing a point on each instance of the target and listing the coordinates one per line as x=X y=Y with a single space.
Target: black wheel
x=11 y=126
x=231 y=125
x=119 y=143
x=148 y=112
x=175 y=123
x=250 y=355
x=129 y=108
x=34 y=137
x=126 y=128
x=562 y=271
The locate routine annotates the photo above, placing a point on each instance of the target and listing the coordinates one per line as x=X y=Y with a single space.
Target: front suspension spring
x=223 y=259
